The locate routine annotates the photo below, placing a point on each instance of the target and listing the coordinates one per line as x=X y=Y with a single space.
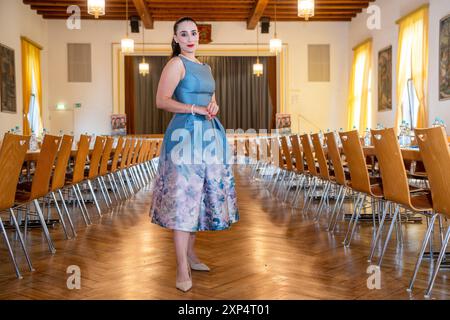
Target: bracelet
x=192 y=109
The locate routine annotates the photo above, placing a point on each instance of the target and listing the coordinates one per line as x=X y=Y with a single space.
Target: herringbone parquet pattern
x=273 y=252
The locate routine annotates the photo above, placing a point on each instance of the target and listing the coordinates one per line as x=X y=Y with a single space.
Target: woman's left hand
x=213 y=109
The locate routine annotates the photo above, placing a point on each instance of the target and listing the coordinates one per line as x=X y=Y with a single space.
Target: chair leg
x=61 y=218
x=10 y=251
x=113 y=179
x=355 y=223
x=122 y=183
x=438 y=264
x=112 y=188
x=74 y=233
x=100 y=186
x=82 y=206
x=379 y=231
x=422 y=251
x=355 y=211
x=388 y=237
x=21 y=239
x=325 y=192
x=102 y=181
x=99 y=211
x=336 y=205
x=44 y=226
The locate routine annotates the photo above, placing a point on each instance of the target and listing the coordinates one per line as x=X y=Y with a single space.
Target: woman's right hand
x=202 y=111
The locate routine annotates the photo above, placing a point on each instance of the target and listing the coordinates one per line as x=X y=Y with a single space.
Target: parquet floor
x=273 y=252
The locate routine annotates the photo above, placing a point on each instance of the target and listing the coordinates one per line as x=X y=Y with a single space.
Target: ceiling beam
x=258 y=10
x=142 y=9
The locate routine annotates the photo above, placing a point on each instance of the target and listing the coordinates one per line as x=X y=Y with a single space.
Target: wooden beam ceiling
x=144 y=14
x=249 y=11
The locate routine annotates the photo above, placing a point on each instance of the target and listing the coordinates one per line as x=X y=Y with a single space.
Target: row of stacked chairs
x=300 y=168
x=116 y=168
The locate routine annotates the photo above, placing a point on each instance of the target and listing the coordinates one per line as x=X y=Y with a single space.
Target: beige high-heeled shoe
x=198 y=266
x=185 y=285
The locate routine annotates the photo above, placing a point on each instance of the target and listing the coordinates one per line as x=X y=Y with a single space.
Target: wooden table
x=407 y=153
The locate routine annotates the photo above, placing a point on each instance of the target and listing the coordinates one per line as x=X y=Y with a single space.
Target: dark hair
x=176 y=50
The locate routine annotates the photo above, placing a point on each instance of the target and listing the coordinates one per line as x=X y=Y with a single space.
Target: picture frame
x=385 y=79
x=204 y=31
x=118 y=124
x=444 y=58
x=7 y=80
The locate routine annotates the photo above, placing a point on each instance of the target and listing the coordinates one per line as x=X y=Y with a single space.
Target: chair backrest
x=137 y=151
x=126 y=151
x=433 y=146
x=151 y=150
x=297 y=153
x=143 y=151
x=12 y=156
x=62 y=160
x=117 y=153
x=80 y=159
x=44 y=166
x=131 y=153
x=324 y=172
x=106 y=156
x=356 y=162
x=307 y=151
x=158 y=148
x=287 y=153
x=392 y=168
x=334 y=155
x=94 y=163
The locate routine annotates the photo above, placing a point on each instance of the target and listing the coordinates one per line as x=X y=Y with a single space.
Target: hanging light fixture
x=127 y=44
x=144 y=67
x=257 y=67
x=96 y=8
x=306 y=9
x=275 y=44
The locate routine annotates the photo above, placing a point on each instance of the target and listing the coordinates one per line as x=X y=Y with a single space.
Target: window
x=412 y=70
x=360 y=92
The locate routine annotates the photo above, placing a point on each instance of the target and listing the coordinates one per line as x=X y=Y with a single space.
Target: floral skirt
x=193 y=196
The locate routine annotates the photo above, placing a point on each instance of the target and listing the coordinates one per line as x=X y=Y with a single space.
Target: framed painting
x=7 y=80
x=385 y=79
x=118 y=124
x=204 y=31
x=444 y=59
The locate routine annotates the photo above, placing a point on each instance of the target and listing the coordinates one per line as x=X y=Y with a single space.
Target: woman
x=191 y=193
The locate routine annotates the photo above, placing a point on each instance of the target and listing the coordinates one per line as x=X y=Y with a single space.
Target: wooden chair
x=58 y=181
x=75 y=178
x=312 y=170
x=324 y=172
x=113 y=167
x=299 y=161
x=103 y=171
x=123 y=165
x=287 y=162
x=360 y=181
x=12 y=156
x=39 y=187
x=92 y=174
x=340 y=177
x=435 y=153
x=396 y=188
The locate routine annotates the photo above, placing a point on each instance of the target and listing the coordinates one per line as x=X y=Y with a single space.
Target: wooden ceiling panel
x=249 y=11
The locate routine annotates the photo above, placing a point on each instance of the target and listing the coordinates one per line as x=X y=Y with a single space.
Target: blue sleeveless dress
x=194 y=189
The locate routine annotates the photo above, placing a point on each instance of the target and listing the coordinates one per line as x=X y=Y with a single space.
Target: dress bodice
x=198 y=85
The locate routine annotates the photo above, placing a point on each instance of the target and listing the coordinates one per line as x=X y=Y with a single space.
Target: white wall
x=323 y=104
x=16 y=19
x=391 y=11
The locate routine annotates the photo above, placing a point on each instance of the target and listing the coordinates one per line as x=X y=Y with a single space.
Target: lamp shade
x=127 y=45
x=306 y=8
x=96 y=7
